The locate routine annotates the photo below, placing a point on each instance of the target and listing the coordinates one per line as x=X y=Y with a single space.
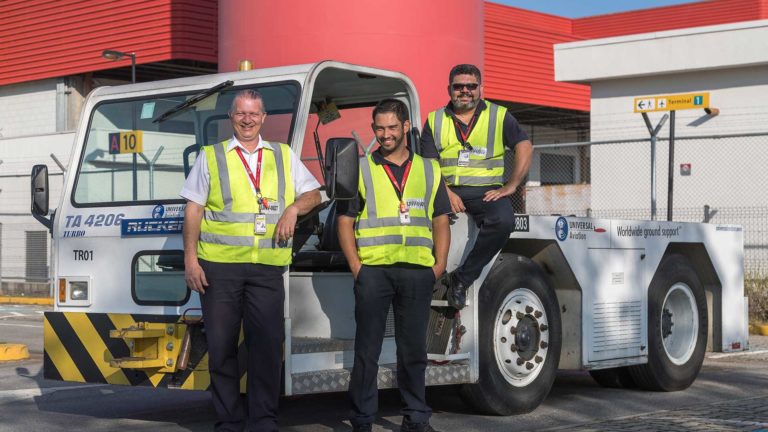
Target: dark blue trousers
x=409 y=291
x=251 y=294
x=496 y=220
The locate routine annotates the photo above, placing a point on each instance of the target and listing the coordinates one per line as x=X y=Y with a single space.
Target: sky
x=582 y=8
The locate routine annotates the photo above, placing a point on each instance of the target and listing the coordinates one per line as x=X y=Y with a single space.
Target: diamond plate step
x=337 y=380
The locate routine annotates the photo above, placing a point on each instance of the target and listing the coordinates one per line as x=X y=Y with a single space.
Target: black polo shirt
x=353 y=207
x=512 y=132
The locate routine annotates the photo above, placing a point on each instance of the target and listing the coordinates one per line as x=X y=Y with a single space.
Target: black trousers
x=251 y=294
x=409 y=291
x=496 y=220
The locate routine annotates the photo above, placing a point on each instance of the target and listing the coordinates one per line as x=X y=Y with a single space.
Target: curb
x=46 y=301
x=10 y=352
x=759 y=329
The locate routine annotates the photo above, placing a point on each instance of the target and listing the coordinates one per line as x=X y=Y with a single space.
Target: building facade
x=51 y=57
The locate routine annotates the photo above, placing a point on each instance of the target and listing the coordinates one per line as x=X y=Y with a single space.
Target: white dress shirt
x=198 y=182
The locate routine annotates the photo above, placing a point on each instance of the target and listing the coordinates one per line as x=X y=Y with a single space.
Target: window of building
x=557 y=169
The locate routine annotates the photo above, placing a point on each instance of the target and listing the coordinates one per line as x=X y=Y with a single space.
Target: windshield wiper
x=193 y=100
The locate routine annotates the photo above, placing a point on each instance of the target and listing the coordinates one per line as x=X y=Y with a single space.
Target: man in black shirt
x=395 y=237
x=469 y=136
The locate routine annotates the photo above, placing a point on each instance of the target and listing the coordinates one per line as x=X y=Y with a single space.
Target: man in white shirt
x=243 y=197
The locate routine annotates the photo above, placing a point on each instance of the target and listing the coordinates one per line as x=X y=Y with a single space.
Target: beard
x=465 y=105
x=392 y=145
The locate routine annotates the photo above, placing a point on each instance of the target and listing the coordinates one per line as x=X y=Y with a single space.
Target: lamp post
x=119 y=55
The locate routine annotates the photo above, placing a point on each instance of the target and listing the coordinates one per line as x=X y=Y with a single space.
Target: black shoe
x=409 y=426
x=457 y=292
x=366 y=427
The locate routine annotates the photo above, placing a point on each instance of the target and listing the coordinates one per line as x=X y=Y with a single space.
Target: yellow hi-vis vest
x=227 y=229
x=381 y=238
x=486 y=161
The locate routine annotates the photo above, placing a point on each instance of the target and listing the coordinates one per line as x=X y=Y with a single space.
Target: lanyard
x=399 y=188
x=256 y=180
x=463 y=135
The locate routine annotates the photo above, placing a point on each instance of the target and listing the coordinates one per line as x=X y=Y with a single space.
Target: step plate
x=305 y=345
x=337 y=380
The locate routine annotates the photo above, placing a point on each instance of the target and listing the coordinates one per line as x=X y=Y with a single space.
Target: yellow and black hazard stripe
x=78 y=348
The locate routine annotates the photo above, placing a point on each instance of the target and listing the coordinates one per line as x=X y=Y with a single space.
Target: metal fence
x=24 y=256
x=716 y=179
x=25 y=244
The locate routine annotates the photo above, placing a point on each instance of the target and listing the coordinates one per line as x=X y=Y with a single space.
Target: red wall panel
x=44 y=39
x=414 y=37
x=519 y=59
x=519 y=65
x=670 y=17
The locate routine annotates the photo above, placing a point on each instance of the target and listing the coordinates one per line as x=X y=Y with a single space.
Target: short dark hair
x=391 y=106
x=465 y=69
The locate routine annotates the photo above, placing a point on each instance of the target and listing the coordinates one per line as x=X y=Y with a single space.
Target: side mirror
x=341 y=169
x=39 y=179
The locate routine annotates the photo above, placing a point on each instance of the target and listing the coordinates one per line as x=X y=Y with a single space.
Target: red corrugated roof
x=519 y=62
x=670 y=17
x=44 y=39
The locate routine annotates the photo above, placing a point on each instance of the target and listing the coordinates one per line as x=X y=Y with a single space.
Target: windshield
x=129 y=159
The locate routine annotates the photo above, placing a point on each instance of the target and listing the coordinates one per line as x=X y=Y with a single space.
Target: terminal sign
x=672 y=102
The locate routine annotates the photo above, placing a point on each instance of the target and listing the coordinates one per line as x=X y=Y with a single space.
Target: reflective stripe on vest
x=380 y=236
x=227 y=230
x=473 y=173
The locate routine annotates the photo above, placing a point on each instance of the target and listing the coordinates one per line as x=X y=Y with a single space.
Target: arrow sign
x=644 y=105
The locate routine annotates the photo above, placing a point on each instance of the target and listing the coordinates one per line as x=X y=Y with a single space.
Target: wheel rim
x=521 y=337
x=679 y=323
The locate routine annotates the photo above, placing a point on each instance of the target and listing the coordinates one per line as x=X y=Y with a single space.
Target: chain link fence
x=25 y=244
x=24 y=257
x=715 y=179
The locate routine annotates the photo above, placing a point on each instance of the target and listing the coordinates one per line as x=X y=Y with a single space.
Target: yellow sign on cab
x=672 y=102
x=126 y=142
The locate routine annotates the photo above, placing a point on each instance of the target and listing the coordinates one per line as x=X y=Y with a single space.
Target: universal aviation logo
x=561 y=228
x=576 y=230
x=158 y=212
x=172 y=211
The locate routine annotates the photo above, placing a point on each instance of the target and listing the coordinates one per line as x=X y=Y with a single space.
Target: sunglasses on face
x=461 y=86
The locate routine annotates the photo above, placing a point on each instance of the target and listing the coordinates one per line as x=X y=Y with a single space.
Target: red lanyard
x=399 y=187
x=256 y=180
x=463 y=135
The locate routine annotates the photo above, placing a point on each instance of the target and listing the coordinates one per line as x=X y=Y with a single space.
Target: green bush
x=757 y=291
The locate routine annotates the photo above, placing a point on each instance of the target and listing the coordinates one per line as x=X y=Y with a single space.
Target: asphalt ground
x=731 y=394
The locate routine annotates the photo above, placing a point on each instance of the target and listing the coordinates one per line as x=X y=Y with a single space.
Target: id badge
x=260 y=225
x=464 y=158
x=405 y=217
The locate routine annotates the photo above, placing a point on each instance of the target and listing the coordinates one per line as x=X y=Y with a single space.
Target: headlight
x=78 y=290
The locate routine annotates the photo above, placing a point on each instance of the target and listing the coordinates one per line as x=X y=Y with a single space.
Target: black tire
x=614 y=377
x=675 y=366
x=503 y=387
